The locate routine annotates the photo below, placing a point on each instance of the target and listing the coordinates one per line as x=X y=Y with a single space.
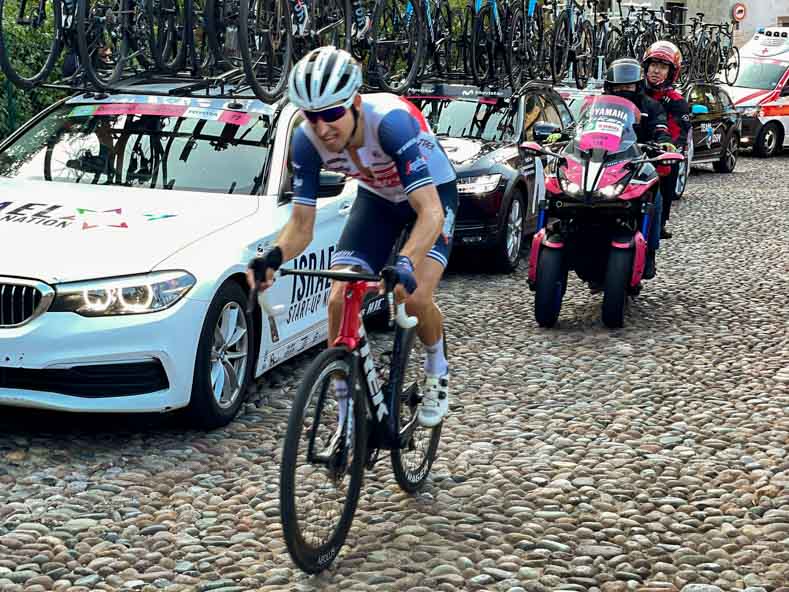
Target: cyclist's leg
x=370 y=232
x=422 y=305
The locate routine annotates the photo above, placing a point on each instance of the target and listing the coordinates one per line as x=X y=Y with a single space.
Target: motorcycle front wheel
x=617 y=279
x=551 y=284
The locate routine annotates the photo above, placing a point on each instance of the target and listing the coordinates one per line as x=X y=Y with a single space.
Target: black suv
x=480 y=131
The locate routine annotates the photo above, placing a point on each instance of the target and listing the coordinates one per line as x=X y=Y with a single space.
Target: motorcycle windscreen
x=606 y=124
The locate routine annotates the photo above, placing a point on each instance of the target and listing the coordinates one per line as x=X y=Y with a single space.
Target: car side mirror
x=697 y=109
x=543 y=129
x=331 y=184
x=785 y=91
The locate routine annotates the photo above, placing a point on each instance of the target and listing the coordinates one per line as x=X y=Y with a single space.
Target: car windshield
x=759 y=75
x=488 y=119
x=144 y=145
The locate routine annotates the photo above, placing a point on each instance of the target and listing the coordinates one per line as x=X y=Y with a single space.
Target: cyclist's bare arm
x=296 y=236
x=428 y=225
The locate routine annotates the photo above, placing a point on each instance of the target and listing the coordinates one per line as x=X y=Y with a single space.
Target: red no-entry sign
x=739 y=11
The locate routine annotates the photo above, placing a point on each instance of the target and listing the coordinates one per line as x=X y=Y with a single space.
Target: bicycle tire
x=712 y=58
x=411 y=480
x=482 y=47
x=535 y=39
x=686 y=70
x=517 y=47
x=583 y=66
x=271 y=85
x=610 y=44
x=87 y=56
x=316 y=558
x=466 y=33
x=167 y=33
x=216 y=29
x=197 y=44
x=380 y=62
x=732 y=71
x=17 y=78
x=560 y=48
x=445 y=49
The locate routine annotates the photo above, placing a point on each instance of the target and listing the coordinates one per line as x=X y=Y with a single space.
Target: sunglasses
x=329 y=115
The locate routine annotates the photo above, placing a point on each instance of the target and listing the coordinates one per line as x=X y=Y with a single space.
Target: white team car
x=126 y=223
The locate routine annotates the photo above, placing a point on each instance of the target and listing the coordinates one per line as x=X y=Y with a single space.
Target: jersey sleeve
x=306 y=169
x=657 y=123
x=398 y=134
x=680 y=111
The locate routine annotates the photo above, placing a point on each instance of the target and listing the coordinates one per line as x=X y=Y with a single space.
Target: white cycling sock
x=341 y=392
x=435 y=363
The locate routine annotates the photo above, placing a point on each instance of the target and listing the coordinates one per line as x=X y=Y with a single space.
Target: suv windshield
x=488 y=119
x=759 y=75
x=144 y=145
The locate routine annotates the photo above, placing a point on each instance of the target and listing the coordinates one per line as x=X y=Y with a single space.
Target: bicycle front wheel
x=265 y=44
x=23 y=22
x=584 y=63
x=102 y=28
x=712 y=61
x=518 y=48
x=732 y=65
x=323 y=461
x=411 y=465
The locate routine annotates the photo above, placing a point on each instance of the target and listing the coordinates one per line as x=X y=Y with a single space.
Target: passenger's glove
x=555 y=137
x=271 y=259
x=668 y=147
x=404 y=273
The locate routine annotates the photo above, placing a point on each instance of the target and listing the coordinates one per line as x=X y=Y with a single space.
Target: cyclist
x=301 y=18
x=625 y=78
x=662 y=63
x=404 y=178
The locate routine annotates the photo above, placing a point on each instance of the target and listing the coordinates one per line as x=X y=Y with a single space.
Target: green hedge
x=28 y=49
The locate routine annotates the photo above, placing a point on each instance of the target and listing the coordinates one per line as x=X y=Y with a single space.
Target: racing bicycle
x=330 y=440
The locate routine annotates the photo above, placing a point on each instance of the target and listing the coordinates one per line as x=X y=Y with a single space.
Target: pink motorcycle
x=597 y=212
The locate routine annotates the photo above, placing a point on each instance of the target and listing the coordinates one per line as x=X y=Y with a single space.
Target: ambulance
x=761 y=91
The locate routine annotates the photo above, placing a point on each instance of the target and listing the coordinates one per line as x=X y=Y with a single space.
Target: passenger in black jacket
x=625 y=78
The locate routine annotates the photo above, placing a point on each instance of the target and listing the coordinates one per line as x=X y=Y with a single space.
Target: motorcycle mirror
x=668 y=157
x=532 y=148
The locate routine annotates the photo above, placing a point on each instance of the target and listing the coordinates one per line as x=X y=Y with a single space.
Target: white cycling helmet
x=325 y=77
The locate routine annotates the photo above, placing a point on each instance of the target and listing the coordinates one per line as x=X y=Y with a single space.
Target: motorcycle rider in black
x=625 y=78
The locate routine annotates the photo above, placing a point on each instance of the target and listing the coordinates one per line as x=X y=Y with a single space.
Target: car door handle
x=345 y=208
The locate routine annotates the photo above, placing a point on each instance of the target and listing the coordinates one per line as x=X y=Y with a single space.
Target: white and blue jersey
x=400 y=153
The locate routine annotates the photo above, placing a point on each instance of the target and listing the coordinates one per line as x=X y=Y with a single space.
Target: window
x=705 y=95
x=564 y=113
x=131 y=147
x=532 y=113
x=725 y=101
x=550 y=113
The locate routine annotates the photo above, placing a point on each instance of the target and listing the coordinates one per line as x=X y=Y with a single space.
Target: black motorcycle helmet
x=624 y=71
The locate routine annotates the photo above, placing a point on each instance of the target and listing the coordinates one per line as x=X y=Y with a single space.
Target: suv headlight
x=136 y=294
x=481 y=184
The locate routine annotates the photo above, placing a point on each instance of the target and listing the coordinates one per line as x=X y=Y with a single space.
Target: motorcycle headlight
x=136 y=294
x=570 y=188
x=481 y=184
x=611 y=191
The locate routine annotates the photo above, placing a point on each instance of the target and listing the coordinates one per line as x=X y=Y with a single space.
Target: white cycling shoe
x=435 y=401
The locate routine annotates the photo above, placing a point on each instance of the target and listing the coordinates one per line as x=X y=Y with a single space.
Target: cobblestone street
x=577 y=458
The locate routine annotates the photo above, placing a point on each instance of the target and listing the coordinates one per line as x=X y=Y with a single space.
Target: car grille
x=22 y=300
x=102 y=380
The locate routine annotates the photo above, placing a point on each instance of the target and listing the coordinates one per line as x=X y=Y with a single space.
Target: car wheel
x=728 y=158
x=223 y=365
x=768 y=140
x=507 y=253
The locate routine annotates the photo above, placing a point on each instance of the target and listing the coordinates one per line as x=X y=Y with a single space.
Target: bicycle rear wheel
x=397 y=45
x=560 y=48
x=584 y=62
x=712 y=61
x=102 y=28
x=23 y=22
x=518 y=48
x=686 y=71
x=411 y=465
x=323 y=462
x=167 y=30
x=265 y=42
x=483 y=46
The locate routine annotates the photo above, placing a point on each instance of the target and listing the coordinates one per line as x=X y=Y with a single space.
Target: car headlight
x=611 y=191
x=481 y=184
x=136 y=294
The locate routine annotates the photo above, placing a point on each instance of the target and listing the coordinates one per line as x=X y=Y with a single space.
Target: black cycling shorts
x=375 y=224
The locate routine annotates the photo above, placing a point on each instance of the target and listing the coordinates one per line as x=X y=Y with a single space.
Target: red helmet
x=666 y=53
